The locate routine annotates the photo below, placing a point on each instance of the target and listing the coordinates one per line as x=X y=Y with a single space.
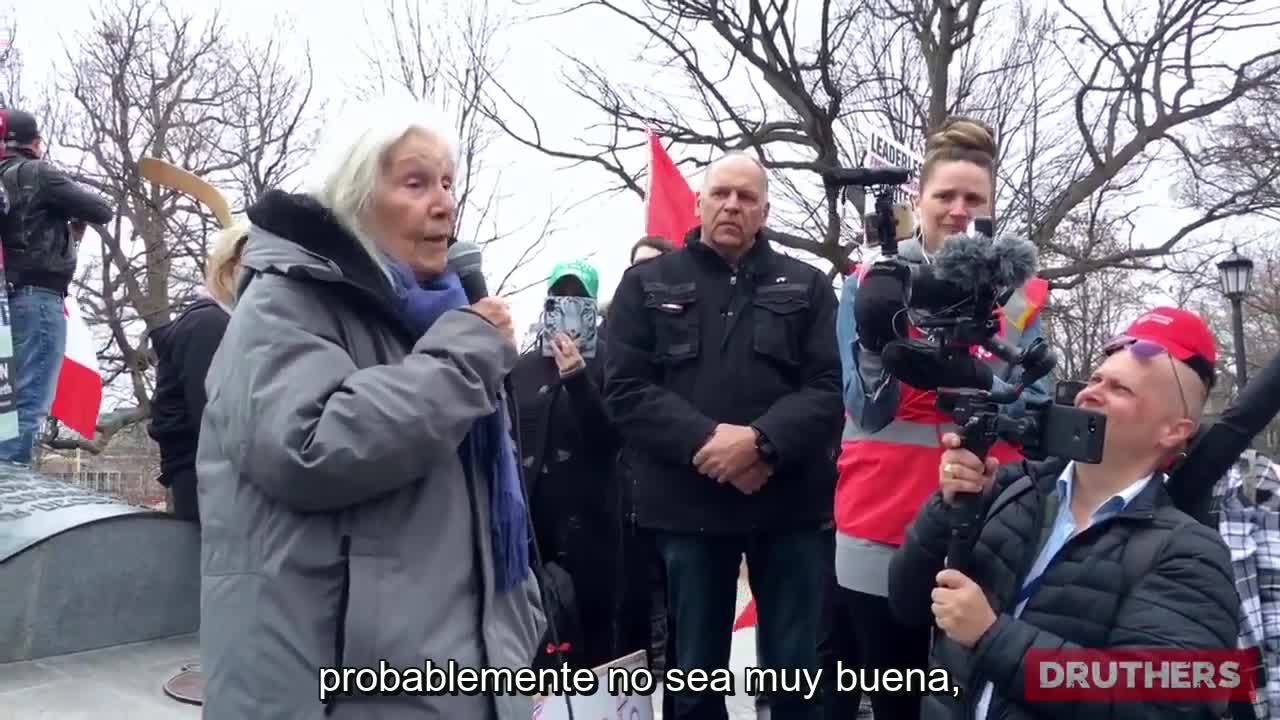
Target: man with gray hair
x=724 y=380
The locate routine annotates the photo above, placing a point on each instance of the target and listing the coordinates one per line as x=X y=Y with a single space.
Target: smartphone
x=1074 y=434
x=983 y=226
x=903 y=225
x=576 y=317
x=1064 y=393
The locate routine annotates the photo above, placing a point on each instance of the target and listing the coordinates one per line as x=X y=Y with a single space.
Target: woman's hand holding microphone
x=498 y=312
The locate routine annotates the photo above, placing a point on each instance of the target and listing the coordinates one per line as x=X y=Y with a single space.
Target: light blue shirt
x=1063 y=529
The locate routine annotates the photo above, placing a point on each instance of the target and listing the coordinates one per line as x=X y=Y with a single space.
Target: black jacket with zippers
x=1150 y=576
x=693 y=343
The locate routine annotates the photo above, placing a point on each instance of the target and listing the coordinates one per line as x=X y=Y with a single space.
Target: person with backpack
x=1074 y=555
x=48 y=213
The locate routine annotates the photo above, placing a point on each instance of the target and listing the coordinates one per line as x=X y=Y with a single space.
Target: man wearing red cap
x=1144 y=574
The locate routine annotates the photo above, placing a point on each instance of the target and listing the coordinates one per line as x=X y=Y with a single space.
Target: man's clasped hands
x=960 y=608
x=731 y=456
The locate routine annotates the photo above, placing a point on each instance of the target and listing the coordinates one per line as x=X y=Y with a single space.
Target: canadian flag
x=78 y=397
x=669 y=203
x=747 y=618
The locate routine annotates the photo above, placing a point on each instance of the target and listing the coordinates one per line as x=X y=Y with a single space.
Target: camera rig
x=884 y=181
x=955 y=319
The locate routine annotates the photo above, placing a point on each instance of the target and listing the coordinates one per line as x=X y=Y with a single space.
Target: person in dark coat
x=568 y=448
x=642 y=607
x=724 y=379
x=184 y=347
x=41 y=232
x=1075 y=555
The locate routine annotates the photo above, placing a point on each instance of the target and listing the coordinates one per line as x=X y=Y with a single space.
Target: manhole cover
x=187 y=686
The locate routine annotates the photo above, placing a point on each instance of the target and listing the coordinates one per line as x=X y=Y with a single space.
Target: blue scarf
x=420 y=306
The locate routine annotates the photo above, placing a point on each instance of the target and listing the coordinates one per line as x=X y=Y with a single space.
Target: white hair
x=344 y=171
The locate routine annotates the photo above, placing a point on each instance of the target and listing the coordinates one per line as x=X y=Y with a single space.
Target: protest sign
x=8 y=401
x=602 y=704
x=884 y=151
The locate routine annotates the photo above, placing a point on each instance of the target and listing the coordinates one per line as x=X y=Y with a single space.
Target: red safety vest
x=886 y=476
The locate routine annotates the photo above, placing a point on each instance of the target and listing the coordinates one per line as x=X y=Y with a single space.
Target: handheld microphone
x=466 y=259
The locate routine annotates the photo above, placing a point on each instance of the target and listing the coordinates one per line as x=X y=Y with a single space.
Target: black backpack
x=562 y=640
x=10 y=186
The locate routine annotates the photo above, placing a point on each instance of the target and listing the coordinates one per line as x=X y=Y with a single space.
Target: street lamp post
x=1235 y=273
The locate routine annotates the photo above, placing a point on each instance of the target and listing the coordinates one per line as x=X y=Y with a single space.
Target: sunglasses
x=1146 y=349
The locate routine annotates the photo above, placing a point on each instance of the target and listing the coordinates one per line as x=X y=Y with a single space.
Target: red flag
x=669 y=203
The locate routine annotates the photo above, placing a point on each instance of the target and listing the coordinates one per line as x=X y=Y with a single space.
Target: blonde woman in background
x=184 y=347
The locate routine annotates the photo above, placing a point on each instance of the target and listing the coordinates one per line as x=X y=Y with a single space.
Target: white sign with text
x=603 y=704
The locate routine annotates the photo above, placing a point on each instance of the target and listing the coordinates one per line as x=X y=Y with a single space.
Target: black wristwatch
x=768 y=452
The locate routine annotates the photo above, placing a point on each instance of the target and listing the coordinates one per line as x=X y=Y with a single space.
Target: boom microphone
x=465 y=259
x=840 y=177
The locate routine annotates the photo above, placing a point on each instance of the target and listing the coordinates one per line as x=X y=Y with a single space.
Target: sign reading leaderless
x=884 y=151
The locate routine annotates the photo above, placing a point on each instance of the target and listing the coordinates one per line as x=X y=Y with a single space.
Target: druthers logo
x=1140 y=675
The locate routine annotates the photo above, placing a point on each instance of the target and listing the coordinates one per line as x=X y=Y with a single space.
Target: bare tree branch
x=452 y=60
x=148 y=81
x=1083 y=100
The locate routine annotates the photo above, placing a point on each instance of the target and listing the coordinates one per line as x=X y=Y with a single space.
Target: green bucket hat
x=581 y=269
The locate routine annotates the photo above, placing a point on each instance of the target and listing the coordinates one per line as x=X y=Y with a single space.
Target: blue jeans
x=39 y=342
x=785 y=569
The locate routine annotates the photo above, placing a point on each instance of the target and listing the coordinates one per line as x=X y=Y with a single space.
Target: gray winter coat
x=340 y=526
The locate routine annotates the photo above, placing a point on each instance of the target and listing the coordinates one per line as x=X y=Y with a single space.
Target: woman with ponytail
x=891 y=446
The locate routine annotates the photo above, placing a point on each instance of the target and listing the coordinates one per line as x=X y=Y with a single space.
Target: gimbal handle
x=978 y=432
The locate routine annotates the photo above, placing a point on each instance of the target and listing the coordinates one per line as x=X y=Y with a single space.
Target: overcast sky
x=531 y=184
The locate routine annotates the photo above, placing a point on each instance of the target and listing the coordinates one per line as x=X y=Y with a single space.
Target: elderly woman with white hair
x=359 y=493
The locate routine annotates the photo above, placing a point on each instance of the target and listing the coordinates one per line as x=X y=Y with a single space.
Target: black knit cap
x=20 y=126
